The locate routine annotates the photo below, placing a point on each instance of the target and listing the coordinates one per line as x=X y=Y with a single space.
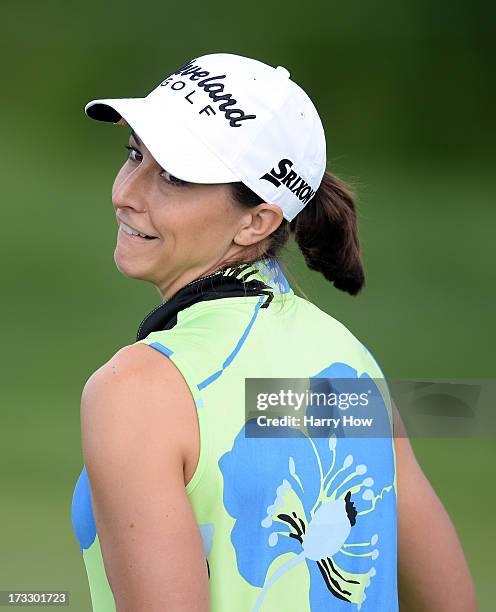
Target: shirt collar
x=262 y=277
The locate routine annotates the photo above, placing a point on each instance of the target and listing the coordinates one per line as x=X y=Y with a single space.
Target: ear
x=258 y=223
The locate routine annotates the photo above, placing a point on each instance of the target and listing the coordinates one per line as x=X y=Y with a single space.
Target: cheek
x=200 y=221
x=189 y=231
x=212 y=224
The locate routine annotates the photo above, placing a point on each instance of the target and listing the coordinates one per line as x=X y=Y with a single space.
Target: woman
x=194 y=504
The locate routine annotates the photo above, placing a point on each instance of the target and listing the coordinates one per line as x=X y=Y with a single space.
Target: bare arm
x=136 y=413
x=433 y=575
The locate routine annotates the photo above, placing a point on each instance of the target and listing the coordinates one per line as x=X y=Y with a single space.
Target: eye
x=169 y=178
x=131 y=151
x=172 y=180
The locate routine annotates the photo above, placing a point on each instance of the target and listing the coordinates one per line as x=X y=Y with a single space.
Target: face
x=193 y=228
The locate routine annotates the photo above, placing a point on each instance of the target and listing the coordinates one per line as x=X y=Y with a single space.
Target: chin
x=131 y=269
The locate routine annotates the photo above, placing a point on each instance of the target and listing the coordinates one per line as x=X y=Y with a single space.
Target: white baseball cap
x=223 y=118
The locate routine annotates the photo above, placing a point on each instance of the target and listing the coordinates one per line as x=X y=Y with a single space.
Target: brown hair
x=326 y=232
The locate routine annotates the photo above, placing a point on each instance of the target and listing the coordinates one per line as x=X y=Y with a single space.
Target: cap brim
x=172 y=144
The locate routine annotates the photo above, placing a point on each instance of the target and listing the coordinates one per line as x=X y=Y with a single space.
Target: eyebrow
x=134 y=135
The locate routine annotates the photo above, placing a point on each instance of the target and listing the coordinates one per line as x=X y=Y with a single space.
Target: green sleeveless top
x=295 y=521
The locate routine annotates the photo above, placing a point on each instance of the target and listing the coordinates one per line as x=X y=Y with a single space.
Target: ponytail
x=326 y=232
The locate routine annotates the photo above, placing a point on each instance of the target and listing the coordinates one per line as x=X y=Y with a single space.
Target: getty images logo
x=283 y=175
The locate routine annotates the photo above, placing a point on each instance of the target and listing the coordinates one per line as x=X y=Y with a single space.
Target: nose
x=133 y=189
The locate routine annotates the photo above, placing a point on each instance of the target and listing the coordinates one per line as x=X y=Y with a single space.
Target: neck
x=191 y=277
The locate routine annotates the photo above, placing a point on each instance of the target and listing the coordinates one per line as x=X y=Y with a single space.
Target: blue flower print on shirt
x=328 y=500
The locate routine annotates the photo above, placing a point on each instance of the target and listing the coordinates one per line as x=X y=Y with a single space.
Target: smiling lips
x=131 y=231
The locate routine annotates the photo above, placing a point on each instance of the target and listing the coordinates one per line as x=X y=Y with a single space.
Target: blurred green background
x=406 y=93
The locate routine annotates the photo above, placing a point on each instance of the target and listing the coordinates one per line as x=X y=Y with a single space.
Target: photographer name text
x=311 y=421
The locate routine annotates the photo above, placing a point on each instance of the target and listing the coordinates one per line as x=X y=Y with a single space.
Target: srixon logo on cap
x=213 y=86
x=283 y=175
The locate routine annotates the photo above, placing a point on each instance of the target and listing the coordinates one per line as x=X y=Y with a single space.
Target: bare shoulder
x=133 y=364
x=136 y=418
x=138 y=394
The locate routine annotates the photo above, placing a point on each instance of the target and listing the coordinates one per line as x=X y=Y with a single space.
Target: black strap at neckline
x=228 y=282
